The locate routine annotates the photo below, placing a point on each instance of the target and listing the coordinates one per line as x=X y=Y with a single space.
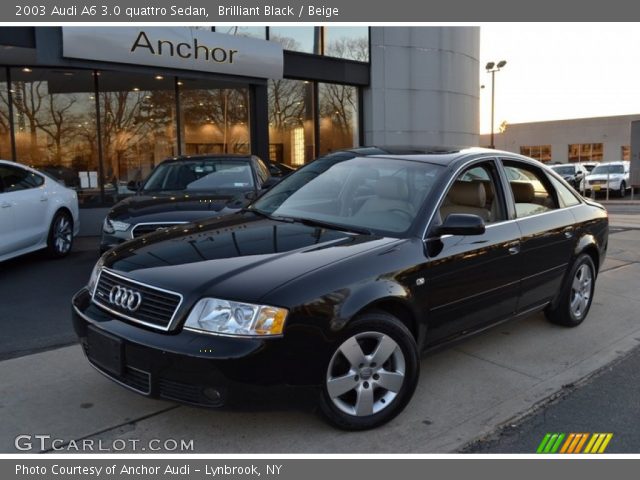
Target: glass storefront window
x=137 y=114
x=351 y=43
x=214 y=120
x=298 y=39
x=253 y=32
x=291 y=124
x=541 y=153
x=586 y=152
x=625 y=152
x=55 y=124
x=5 y=128
x=338 y=109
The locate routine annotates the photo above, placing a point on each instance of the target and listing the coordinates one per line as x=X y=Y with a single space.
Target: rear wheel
x=372 y=373
x=60 y=239
x=576 y=296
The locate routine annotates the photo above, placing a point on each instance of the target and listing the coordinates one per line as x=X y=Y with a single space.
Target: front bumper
x=185 y=366
x=603 y=187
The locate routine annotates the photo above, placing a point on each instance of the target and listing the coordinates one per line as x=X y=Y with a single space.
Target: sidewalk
x=464 y=392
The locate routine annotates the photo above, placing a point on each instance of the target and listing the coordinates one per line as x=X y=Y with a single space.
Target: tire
x=623 y=190
x=379 y=392
x=576 y=295
x=60 y=238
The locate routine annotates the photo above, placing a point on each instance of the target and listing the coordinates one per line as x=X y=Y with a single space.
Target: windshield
x=372 y=194
x=201 y=174
x=604 y=169
x=564 y=169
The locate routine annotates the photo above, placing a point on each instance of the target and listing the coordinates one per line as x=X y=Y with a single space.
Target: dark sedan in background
x=340 y=276
x=184 y=189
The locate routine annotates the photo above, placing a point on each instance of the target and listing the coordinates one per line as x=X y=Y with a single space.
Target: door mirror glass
x=461 y=224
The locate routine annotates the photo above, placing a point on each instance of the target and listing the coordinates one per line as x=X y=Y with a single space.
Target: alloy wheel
x=581 y=291
x=365 y=374
x=62 y=235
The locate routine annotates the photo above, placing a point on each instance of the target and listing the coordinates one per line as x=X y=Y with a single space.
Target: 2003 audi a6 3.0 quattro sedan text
x=340 y=276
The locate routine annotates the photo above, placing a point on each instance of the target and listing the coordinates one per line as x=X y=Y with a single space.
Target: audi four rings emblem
x=125 y=298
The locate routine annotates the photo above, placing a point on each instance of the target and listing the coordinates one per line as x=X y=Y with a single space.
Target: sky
x=559 y=71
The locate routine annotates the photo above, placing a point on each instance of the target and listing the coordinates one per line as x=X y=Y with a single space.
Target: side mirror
x=134 y=185
x=270 y=182
x=461 y=224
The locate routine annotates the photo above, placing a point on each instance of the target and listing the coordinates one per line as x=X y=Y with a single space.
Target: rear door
x=473 y=280
x=547 y=232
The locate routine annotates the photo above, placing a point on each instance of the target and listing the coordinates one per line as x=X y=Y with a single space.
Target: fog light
x=212 y=394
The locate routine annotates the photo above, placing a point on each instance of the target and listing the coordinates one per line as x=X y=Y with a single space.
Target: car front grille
x=157 y=307
x=144 y=228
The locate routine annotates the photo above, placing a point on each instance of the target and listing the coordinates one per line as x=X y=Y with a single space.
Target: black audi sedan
x=340 y=276
x=184 y=189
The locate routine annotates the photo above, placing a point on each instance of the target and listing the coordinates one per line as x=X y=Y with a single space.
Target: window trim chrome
x=172 y=320
x=503 y=222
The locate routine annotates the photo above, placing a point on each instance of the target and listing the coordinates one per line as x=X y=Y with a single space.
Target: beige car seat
x=466 y=197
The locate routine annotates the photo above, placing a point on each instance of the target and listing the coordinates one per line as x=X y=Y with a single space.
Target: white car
x=613 y=176
x=36 y=212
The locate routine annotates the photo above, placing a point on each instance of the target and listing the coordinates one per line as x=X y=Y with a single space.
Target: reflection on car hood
x=176 y=206
x=241 y=256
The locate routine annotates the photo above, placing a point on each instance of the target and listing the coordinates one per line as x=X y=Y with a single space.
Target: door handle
x=514 y=249
x=5 y=205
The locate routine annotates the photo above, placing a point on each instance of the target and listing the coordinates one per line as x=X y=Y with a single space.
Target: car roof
x=438 y=154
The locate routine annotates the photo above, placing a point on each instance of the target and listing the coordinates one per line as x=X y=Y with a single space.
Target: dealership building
x=101 y=106
x=599 y=139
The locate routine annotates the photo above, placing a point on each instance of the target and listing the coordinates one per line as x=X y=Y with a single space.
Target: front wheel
x=623 y=190
x=576 y=296
x=60 y=239
x=372 y=373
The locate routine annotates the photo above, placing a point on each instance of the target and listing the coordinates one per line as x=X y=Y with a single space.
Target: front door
x=473 y=280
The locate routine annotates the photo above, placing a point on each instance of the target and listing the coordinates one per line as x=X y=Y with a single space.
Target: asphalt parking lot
x=465 y=392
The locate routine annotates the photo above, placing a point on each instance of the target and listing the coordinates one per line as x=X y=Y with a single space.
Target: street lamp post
x=492 y=68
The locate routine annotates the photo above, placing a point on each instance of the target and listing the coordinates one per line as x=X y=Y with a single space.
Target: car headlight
x=95 y=273
x=212 y=315
x=110 y=226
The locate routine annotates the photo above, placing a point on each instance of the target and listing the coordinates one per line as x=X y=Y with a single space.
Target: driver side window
x=475 y=192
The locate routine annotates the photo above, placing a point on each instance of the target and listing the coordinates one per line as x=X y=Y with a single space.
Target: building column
x=424 y=86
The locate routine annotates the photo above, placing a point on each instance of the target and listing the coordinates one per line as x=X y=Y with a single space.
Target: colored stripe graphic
x=574 y=443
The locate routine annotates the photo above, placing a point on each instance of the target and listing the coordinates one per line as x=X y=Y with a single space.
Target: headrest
x=392 y=187
x=469 y=194
x=523 y=192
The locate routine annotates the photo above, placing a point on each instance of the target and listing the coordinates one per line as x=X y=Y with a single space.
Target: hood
x=603 y=176
x=238 y=257
x=176 y=206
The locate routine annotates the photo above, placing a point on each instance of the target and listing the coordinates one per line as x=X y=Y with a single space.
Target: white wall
x=612 y=132
x=424 y=86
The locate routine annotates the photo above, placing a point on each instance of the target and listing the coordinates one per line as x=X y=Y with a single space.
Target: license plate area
x=105 y=351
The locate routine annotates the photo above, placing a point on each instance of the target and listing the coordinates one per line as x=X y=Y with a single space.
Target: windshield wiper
x=334 y=226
